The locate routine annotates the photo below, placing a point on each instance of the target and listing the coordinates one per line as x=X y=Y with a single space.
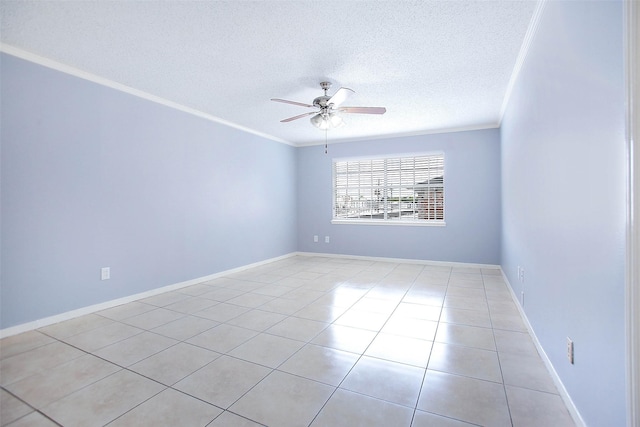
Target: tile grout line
x=322 y=289
x=493 y=333
x=360 y=356
x=33 y=409
x=424 y=377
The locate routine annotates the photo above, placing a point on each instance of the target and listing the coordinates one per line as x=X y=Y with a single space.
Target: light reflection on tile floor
x=305 y=341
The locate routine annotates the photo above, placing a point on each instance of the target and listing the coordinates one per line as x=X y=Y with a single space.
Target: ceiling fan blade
x=299 y=116
x=363 y=110
x=302 y=104
x=340 y=96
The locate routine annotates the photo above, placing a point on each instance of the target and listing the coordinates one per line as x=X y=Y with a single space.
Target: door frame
x=632 y=285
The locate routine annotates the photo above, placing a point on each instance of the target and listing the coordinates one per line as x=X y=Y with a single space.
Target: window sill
x=388 y=222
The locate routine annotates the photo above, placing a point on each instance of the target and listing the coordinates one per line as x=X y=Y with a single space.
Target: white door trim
x=632 y=297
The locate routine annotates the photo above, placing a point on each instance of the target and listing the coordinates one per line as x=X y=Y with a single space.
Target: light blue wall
x=93 y=177
x=563 y=206
x=472 y=197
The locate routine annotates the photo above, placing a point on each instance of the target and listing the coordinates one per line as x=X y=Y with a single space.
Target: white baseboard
x=401 y=260
x=29 y=326
x=25 y=327
x=571 y=407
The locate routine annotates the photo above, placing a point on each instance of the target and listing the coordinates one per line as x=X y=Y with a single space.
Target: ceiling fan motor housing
x=321 y=101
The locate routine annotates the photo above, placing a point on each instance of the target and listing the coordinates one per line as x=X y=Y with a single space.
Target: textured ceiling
x=435 y=65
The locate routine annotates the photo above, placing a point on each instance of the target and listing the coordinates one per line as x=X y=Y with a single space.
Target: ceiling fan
x=325 y=116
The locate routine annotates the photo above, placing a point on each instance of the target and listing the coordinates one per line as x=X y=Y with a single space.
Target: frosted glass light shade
x=326 y=121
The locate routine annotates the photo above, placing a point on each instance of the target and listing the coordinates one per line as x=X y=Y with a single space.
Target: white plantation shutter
x=390 y=190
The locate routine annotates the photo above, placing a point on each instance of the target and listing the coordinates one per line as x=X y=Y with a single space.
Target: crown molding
x=404 y=135
x=67 y=69
x=522 y=56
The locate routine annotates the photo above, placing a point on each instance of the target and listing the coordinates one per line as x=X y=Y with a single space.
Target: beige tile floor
x=305 y=341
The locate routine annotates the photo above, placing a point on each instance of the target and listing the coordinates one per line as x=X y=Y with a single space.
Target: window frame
x=388 y=221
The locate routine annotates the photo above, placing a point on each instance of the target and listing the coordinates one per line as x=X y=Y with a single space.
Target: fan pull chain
x=326 y=150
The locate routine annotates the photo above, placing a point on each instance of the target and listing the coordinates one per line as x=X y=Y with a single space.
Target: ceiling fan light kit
x=327 y=108
x=326 y=121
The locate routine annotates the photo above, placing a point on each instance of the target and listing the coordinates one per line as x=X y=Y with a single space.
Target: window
x=395 y=190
